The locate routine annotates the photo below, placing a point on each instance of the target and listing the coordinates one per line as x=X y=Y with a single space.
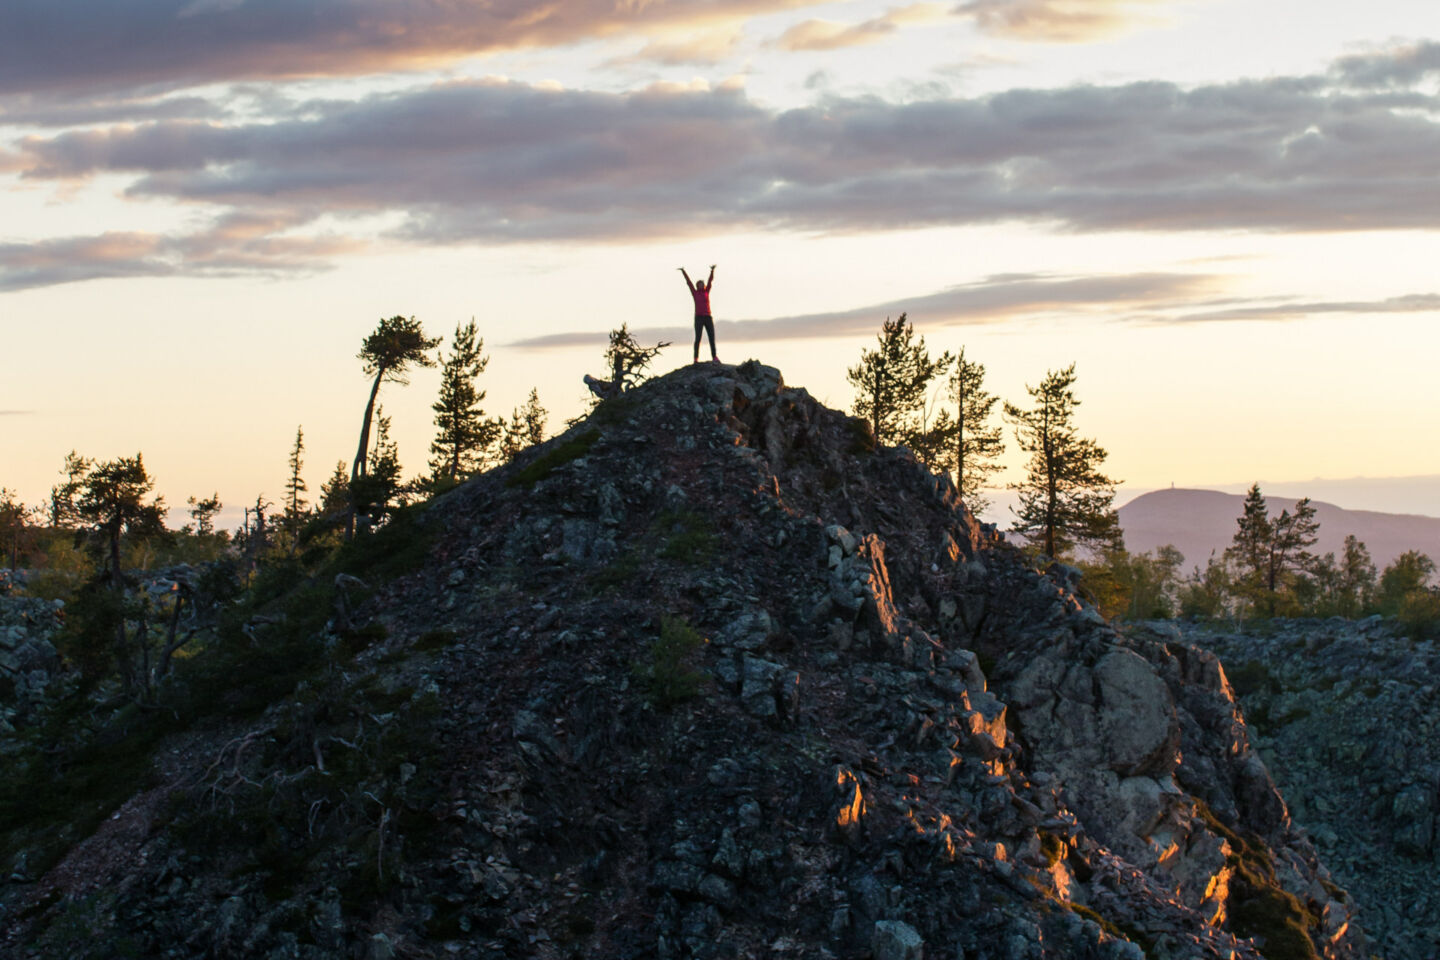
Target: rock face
x=1347 y=715
x=711 y=676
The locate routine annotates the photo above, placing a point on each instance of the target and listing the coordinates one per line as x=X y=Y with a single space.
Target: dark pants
x=707 y=324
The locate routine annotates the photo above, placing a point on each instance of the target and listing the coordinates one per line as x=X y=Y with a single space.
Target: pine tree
x=16 y=530
x=1270 y=553
x=1356 y=586
x=1404 y=582
x=891 y=384
x=1064 y=499
x=203 y=513
x=63 y=515
x=387 y=354
x=525 y=429
x=966 y=442
x=112 y=507
x=295 y=512
x=335 y=492
x=372 y=492
x=464 y=432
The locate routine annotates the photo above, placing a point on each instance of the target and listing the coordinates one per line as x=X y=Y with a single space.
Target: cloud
x=707 y=47
x=829 y=35
x=236 y=244
x=80 y=45
x=38 y=110
x=17 y=413
x=993 y=300
x=1300 y=309
x=1060 y=21
x=1399 y=66
x=497 y=161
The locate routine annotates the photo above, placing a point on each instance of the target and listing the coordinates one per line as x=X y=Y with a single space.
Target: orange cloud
x=1060 y=21
x=708 y=47
x=829 y=35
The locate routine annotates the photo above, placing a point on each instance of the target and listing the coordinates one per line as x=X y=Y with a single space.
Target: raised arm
x=687 y=279
x=711 y=282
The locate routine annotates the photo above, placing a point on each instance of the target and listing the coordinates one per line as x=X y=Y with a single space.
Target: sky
x=1225 y=213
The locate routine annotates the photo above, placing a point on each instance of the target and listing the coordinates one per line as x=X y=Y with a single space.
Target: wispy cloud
x=1061 y=21
x=992 y=300
x=17 y=413
x=705 y=47
x=235 y=244
x=830 y=35
x=1300 y=309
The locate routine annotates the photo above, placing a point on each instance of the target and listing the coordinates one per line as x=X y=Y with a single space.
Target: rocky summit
x=708 y=675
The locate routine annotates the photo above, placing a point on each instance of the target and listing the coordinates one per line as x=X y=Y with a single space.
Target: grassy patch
x=689 y=536
x=617 y=573
x=614 y=411
x=552 y=459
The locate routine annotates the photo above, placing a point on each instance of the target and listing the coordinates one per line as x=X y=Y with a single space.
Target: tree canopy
x=891 y=385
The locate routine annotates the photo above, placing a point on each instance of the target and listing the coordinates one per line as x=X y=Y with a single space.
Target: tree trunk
x=358 y=468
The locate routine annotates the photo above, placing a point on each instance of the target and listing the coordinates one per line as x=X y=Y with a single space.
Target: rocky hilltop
x=708 y=675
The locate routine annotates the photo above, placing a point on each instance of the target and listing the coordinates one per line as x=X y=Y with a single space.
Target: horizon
x=1218 y=212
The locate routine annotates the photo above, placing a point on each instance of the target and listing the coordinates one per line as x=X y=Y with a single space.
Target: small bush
x=862 y=438
x=395 y=549
x=435 y=640
x=668 y=676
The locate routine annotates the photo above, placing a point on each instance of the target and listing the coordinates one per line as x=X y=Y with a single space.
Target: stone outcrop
x=28 y=661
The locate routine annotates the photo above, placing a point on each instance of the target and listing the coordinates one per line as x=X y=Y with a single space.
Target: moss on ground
x=552 y=459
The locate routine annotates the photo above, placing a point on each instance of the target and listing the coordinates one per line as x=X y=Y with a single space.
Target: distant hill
x=1199 y=521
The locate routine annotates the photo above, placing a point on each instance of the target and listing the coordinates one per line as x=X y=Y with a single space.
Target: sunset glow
x=1224 y=213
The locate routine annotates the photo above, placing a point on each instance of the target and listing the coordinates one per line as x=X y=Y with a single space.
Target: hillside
x=1201 y=521
x=709 y=675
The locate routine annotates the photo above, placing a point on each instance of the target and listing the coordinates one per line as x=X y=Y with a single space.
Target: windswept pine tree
x=387 y=354
x=626 y=359
x=891 y=385
x=464 y=434
x=1064 y=499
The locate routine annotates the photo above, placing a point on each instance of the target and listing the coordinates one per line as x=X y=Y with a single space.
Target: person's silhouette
x=700 y=292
